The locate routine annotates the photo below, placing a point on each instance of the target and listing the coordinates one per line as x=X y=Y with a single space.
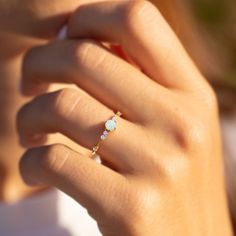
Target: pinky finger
x=79 y=176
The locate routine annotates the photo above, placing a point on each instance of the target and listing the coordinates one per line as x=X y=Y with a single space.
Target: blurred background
x=218 y=22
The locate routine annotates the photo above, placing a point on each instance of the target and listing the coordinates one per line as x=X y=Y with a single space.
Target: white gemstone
x=110 y=125
x=105 y=133
x=114 y=118
x=103 y=137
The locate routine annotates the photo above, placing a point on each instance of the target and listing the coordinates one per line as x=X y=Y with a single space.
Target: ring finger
x=81 y=118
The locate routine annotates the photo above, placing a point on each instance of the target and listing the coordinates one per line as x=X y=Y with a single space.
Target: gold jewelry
x=110 y=126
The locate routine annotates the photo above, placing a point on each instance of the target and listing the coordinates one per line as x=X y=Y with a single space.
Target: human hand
x=32 y=23
x=162 y=171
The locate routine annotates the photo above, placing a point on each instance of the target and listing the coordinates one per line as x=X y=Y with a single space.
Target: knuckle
x=210 y=98
x=176 y=169
x=88 y=55
x=136 y=13
x=64 y=103
x=82 y=51
x=54 y=158
x=150 y=154
x=192 y=126
x=192 y=133
x=207 y=96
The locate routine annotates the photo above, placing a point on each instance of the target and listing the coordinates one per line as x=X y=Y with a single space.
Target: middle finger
x=91 y=66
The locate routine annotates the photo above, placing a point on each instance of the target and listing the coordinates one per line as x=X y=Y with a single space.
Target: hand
x=162 y=171
x=33 y=23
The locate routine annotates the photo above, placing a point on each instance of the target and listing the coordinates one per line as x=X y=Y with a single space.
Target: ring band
x=110 y=126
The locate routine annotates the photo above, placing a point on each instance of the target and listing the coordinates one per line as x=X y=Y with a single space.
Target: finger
x=81 y=118
x=91 y=184
x=105 y=76
x=143 y=33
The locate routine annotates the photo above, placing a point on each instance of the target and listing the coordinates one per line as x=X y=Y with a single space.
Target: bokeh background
x=218 y=21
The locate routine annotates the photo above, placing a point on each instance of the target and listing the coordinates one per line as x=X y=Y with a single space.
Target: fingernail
x=62 y=33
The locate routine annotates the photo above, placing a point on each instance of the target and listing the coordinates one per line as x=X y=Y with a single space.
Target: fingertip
x=25 y=169
x=30 y=90
x=23 y=89
x=33 y=140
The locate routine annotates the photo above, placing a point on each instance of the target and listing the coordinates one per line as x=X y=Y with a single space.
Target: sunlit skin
x=163 y=171
x=34 y=22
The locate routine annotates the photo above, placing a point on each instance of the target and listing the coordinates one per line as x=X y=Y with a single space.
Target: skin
x=34 y=23
x=162 y=171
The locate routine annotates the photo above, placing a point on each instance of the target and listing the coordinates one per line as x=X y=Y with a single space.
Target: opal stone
x=110 y=125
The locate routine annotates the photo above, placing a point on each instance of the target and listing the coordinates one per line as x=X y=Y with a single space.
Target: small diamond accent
x=110 y=126
x=105 y=133
x=95 y=148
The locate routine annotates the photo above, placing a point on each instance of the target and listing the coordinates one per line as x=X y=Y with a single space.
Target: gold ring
x=110 y=126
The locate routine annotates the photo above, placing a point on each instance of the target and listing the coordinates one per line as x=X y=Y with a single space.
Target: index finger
x=143 y=33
